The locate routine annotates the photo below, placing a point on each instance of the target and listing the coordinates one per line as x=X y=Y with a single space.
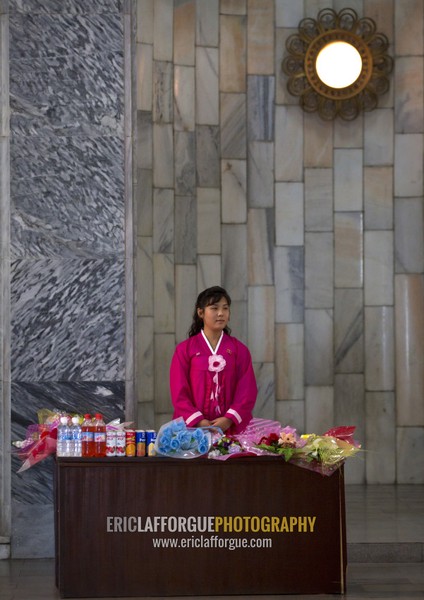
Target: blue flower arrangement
x=177 y=440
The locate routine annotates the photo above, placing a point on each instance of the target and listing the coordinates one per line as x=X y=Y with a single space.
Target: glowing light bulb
x=338 y=64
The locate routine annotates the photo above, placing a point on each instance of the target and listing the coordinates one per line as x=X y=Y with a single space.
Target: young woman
x=211 y=377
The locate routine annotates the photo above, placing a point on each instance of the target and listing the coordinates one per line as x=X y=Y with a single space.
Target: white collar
x=208 y=343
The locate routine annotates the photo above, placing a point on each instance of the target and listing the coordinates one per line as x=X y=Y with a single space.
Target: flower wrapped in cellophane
x=176 y=440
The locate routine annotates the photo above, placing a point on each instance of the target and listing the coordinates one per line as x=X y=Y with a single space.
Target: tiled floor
x=385 y=533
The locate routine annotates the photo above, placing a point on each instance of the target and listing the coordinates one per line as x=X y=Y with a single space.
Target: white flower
x=216 y=363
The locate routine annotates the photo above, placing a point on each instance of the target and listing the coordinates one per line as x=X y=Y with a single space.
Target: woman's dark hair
x=209 y=296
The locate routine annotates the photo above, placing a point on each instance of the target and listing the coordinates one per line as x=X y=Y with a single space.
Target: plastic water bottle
x=63 y=435
x=87 y=436
x=76 y=437
x=99 y=436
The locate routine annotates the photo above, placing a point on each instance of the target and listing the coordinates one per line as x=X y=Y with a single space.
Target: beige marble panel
x=164 y=349
x=144 y=276
x=238 y=320
x=185 y=239
x=378 y=197
x=408 y=174
x=288 y=13
x=410 y=442
x=163 y=156
x=233 y=7
x=318 y=200
x=409 y=98
x=319 y=270
x=144 y=202
x=163 y=98
x=207 y=22
x=378 y=137
x=319 y=403
x=145 y=359
x=291 y=412
x=164 y=293
x=318 y=142
x=234 y=260
x=319 y=359
x=208 y=221
x=380 y=440
x=163 y=29
x=289 y=361
x=232 y=53
x=233 y=126
x=233 y=191
x=144 y=76
x=379 y=348
x=260 y=313
x=260 y=226
x=260 y=175
x=260 y=37
x=289 y=283
x=409 y=335
x=348 y=331
x=378 y=268
x=348 y=179
x=288 y=143
x=163 y=221
x=348 y=249
x=349 y=134
x=145 y=12
x=208 y=271
x=382 y=11
x=408 y=27
x=144 y=152
x=289 y=214
x=265 y=380
x=184 y=98
x=185 y=299
x=282 y=95
x=184 y=32
x=207 y=86
x=409 y=235
x=146 y=415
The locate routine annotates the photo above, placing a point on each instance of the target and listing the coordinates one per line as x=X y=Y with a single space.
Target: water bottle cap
x=64 y=420
x=87 y=416
x=99 y=416
x=75 y=420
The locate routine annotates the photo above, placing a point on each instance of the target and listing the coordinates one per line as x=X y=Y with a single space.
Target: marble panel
x=319 y=359
x=144 y=202
x=163 y=221
x=164 y=350
x=380 y=440
x=409 y=98
x=409 y=18
x=164 y=293
x=260 y=37
x=144 y=151
x=348 y=249
x=408 y=175
x=184 y=31
x=233 y=125
x=208 y=166
x=288 y=143
x=409 y=336
x=260 y=227
x=185 y=162
x=207 y=22
x=207 y=86
x=163 y=156
x=184 y=98
x=163 y=28
x=289 y=282
x=232 y=53
x=162 y=92
x=318 y=142
x=319 y=408
x=378 y=268
x=146 y=416
x=145 y=12
x=282 y=95
x=185 y=229
x=33 y=530
x=260 y=311
x=233 y=191
x=234 y=260
x=318 y=200
x=233 y=7
x=145 y=360
x=378 y=197
x=291 y=412
x=378 y=137
x=379 y=348
x=348 y=331
x=144 y=276
x=288 y=13
x=349 y=134
x=260 y=175
x=208 y=271
x=409 y=235
x=144 y=77
x=348 y=179
x=289 y=361
x=69 y=315
x=265 y=380
x=208 y=221
x=239 y=320
x=72 y=211
x=260 y=108
x=185 y=298
x=410 y=442
x=289 y=214
x=382 y=11
x=319 y=270
x=349 y=408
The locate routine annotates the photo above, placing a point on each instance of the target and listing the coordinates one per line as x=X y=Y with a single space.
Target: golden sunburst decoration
x=313 y=36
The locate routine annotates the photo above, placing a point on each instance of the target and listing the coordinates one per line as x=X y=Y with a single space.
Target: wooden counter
x=169 y=527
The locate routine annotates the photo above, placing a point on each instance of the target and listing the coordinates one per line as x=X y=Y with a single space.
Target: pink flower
x=216 y=363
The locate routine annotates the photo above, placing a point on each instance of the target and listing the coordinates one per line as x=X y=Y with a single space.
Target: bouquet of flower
x=177 y=440
x=225 y=446
x=284 y=443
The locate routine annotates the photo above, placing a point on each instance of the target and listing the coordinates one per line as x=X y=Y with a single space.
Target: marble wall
x=315 y=228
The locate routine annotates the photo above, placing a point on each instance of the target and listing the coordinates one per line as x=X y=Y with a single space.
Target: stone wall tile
x=234 y=260
x=164 y=293
x=144 y=202
x=145 y=15
x=318 y=142
x=318 y=200
x=185 y=162
x=349 y=134
x=144 y=74
x=185 y=240
x=349 y=249
x=145 y=360
x=232 y=53
x=163 y=156
x=260 y=107
x=378 y=268
x=163 y=25
x=184 y=98
x=260 y=37
x=233 y=125
x=319 y=408
x=163 y=99
x=408 y=175
x=380 y=441
x=261 y=304
x=409 y=107
x=348 y=331
x=409 y=235
x=184 y=32
x=288 y=13
x=163 y=221
x=260 y=225
x=207 y=22
x=288 y=143
x=265 y=380
x=233 y=191
x=208 y=169
x=319 y=270
x=378 y=137
x=144 y=150
x=409 y=18
x=164 y=349
x=233 y=7
x=291 y=412
x=208 y=271
x=410 y=441
x=289 y=284
x=260 y=175
x=289 y=214
x=282 y=95
x=348 y=179
x=379 y=348
x=208 y=221
x=144 y=273
x=185 y=298
x=319 y=360
x=378 y=197
x=289 y=361
x=207 y=86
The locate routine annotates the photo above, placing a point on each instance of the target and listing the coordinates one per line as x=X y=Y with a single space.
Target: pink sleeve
x=181 y=393
x=246 y=391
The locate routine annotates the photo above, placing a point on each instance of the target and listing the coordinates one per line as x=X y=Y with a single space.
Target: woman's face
x=215 y=316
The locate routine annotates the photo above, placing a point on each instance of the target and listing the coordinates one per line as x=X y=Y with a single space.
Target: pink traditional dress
x=207 y=383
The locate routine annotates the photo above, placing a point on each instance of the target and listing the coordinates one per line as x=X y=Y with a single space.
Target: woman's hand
x=204 y=423
x=222 y=422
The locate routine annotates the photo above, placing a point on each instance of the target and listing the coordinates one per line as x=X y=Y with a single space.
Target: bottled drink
x=87 y=436
x=69 y=442
x=62 y=433
x=76 y=437
x=99 y=436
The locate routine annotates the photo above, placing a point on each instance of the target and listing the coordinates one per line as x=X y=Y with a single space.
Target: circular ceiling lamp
x=337 y=64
